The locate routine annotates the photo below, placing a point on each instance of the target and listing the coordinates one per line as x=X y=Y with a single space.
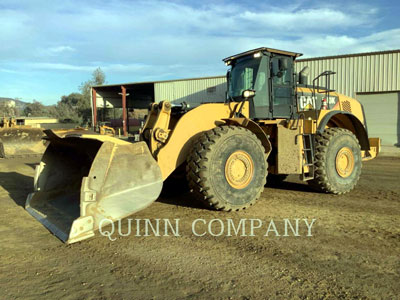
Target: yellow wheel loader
x=272 y=124
x=20 y=140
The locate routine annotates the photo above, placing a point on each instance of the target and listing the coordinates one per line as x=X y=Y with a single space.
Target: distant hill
x=18 y=103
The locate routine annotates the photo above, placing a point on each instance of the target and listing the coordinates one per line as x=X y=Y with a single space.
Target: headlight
x=248 y=93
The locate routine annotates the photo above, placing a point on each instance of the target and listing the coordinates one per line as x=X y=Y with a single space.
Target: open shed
x=124 y=106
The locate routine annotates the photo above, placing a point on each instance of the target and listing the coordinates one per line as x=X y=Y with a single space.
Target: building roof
x=158 y=81
x=349 y=55
x=35 y=118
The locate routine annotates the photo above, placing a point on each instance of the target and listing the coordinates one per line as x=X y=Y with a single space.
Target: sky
x=49 y=47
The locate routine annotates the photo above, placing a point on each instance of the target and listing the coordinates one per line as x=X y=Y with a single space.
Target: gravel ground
x=353 y=252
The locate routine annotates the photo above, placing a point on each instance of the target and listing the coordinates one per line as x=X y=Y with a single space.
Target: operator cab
x=266 y=78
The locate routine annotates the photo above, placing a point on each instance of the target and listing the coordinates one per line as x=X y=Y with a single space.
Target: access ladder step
x=308 y=153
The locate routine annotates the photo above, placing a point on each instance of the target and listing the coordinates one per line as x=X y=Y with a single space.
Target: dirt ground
x=354 y=251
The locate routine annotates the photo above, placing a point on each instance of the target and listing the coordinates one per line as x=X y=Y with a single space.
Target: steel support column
x=94 y=108
x=124 y=112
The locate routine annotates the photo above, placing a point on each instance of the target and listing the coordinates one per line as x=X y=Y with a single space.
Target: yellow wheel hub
x=239 y=169
x=344 y=162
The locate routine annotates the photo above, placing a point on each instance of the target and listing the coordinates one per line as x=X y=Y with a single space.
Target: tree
x=98 y=78
x=8 y=109
x=70 y=108
x=74 y=107
x=36 y=109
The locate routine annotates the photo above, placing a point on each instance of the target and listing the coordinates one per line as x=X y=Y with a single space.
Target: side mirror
x=248 y=94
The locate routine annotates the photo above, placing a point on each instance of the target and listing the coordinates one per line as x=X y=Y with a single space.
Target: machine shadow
x=184 y=199
x=175 y=196
x=292 y=186
x=176 y=191
x=32 y=165
x=17 y=185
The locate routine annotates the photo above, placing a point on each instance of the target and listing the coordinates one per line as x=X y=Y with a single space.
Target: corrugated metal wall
x=356 y=73
x=193 y=91
x=364 y=73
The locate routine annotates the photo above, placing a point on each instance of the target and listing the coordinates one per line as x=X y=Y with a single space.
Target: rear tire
x=227 y=168
x=337 y=161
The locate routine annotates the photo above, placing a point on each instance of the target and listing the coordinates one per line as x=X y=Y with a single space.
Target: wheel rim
x=239 y=169
x=345 y=162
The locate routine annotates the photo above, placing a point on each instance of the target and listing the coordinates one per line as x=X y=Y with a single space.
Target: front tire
x=227 y=168
x=337 y=161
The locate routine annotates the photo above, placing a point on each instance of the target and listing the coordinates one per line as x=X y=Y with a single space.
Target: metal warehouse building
x=372 y=78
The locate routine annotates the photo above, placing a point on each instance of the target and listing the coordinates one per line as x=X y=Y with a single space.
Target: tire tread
x=322 y=143
x=197 y=167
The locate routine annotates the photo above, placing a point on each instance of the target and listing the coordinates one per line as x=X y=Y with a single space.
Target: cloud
x=8 y=71
x=58 y=66
x=323 y=45
x=388 y=39
x=160 y=31
x=88 y=68
x=60 y=49
x=146 y=71
x=155 y=39
x=305 y=19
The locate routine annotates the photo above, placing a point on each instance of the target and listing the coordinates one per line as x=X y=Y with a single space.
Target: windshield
x=243 y=76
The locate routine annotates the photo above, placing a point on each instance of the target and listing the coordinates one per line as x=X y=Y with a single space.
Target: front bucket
x=21 y=141
x=84 y=179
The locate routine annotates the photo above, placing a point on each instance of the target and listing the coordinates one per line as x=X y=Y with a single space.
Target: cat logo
x=309 y=102
x=306 y=102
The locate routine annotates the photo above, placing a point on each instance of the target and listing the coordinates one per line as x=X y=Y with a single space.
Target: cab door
x=259 y=105
x=282 y=86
